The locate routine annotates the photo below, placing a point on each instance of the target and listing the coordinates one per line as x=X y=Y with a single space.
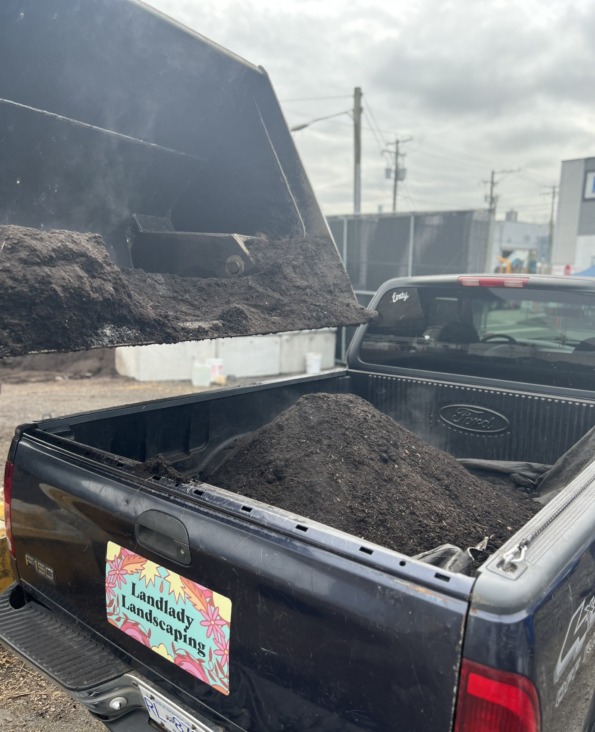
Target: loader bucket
x=150 y=190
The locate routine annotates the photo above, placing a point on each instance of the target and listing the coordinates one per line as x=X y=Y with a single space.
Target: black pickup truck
x=161 y=597
x=157 y=598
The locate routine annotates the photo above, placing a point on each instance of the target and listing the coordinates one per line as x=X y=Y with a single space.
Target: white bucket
x=201 y=374
x=216 y=366
x=313 y=363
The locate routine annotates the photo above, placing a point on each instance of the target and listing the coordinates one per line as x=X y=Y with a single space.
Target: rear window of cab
x=532 y=335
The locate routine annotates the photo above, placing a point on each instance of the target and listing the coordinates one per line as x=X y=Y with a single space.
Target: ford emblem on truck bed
x=470 y=418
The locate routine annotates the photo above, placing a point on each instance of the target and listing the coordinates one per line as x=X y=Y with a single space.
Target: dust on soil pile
x=336 y=459
x=59 y=291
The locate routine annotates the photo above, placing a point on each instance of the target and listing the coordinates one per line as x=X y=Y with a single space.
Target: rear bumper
x=65 y=653
x=71 y=657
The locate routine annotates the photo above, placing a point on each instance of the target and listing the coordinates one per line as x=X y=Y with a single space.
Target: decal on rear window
x=179 y=619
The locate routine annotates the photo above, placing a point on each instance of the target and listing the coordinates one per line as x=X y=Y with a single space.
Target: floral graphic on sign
x=179 y=619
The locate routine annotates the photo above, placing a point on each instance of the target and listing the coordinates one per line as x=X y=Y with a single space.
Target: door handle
x=163 y=534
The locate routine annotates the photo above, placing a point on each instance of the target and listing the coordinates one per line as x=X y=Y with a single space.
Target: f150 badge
x=42 y=569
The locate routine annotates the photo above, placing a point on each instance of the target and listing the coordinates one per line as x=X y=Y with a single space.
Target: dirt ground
x=27 y=701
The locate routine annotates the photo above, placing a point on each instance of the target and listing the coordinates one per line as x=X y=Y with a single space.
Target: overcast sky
x=479 y=86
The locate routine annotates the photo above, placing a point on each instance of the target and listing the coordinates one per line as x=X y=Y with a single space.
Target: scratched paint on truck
x=179 y=619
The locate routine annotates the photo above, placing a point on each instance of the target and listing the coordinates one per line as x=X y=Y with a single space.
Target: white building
x=574 y=234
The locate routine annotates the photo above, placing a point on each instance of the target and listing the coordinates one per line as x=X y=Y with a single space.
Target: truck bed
x=315 y=617
x=287 y=636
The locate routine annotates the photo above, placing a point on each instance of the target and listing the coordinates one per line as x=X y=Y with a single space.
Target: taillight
x=8 y=473
x=474 y=281
x=495 y=701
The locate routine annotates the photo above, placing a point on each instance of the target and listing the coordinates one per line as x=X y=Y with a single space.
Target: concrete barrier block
x=251 y=356
x=295 y=347
x=166 y=362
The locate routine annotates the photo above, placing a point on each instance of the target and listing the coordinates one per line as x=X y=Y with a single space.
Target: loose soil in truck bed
x=336 y=459
x=60 y=291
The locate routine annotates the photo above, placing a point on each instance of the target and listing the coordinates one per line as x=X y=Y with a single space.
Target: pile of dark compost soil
x=60 y=291
x=336 y=459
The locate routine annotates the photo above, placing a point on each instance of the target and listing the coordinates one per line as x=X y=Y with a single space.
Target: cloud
x=489 y=62
x=480 y=86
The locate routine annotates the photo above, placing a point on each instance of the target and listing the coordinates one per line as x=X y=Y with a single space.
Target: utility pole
x=492 y=201
x=491 y=196
x=550 y=244
x=357 y=150
x=397 y=168
x=396 y=175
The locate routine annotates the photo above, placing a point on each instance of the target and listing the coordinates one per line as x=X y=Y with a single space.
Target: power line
x=417 y=151
x=470 y=162
x=374 y=122
x=523 y=198
x=413 y=205
x=457 y=153
x=444 y=206
x=532 y=206
x=446 y=152
x=533 y=178
x=373 y=131
x=314 y=99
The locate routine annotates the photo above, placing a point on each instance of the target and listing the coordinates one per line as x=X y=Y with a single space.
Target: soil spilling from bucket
x=60 y=291
x=336 y=459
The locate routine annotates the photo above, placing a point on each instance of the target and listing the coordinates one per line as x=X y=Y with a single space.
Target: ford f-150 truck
x=151 y=595
x=160 y=599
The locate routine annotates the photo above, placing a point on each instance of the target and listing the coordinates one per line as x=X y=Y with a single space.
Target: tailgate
x=269 y=620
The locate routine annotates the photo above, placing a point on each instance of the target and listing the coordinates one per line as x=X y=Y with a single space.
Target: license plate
x=170 y=716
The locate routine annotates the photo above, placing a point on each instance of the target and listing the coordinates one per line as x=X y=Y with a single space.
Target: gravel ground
x=27 y=700
x=27 y=402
